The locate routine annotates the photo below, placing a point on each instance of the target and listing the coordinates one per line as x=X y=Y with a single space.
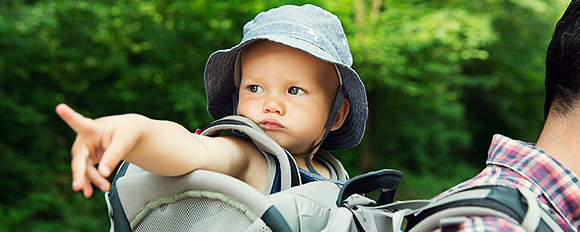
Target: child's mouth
x=271 y=124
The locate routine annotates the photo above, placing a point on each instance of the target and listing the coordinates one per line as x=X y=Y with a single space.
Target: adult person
x=550 y=167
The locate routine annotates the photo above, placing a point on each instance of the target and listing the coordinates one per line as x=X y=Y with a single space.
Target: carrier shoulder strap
x=341 y=173
x=516 y=205
x=289 y=170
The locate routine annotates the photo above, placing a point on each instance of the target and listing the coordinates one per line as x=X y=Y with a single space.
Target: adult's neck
x=560 y=138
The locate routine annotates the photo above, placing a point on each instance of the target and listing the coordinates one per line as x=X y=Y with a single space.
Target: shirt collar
x=560 y=185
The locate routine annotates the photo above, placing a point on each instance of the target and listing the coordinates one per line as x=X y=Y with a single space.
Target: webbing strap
x=532 y=218
x=536 y=217
x=117 y=215
x=274 y=219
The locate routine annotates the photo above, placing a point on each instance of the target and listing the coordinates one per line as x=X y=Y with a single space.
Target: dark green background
x=442 y=77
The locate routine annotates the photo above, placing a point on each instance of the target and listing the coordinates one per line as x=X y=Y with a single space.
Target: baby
x=291 y=74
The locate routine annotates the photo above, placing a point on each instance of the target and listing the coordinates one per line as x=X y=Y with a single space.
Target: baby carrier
x=209 y=201
x=205 y=200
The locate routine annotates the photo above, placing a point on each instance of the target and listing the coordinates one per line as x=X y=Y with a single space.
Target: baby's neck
x=318 y=166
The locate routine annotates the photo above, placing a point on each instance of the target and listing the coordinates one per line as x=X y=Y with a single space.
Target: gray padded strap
x=262 y=142
x=414 y=205
x=340 y=171
x=532 y=217
x=271 y=174
x=467 y=194
x=433 y=222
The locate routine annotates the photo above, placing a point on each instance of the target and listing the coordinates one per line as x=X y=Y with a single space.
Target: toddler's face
x=287 y=92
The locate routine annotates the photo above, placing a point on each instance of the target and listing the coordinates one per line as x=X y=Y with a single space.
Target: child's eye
x=255 y=89
x=295 y=91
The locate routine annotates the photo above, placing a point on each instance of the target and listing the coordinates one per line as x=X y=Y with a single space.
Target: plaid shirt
x=518 y=164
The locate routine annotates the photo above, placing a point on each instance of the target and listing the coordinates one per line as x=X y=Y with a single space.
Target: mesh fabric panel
x=196 y=214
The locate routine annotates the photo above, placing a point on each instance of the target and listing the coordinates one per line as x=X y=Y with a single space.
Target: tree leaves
x=441 y=76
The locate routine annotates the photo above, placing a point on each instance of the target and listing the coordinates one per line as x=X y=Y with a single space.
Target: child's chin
x=275 y=136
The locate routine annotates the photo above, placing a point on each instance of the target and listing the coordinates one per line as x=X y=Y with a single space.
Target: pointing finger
x=79 y=123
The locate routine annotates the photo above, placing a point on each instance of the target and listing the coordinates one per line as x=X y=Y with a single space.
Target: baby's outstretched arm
x=161 y=147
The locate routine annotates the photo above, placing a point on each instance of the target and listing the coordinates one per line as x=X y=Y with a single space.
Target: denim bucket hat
x=310 y=29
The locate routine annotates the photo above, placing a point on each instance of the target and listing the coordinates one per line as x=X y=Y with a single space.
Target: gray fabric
x=530 y=221
x=332 y=169
x=335 y=165
x=340 y=220
x=410 y=204
x=310 y=29
x=389 y=218
x=146 y=195
x=534 y=213
x=471 y=194
x=372 y=218
x=194 y=211
x=191 y=206
x=385 y=218
x=366 y=219
x=304 y=208
x=551 y=222
x=271 y=174
x=132 y=169
x=258 y=226
x=137 y=190
x=263 y=142
x=432 y=222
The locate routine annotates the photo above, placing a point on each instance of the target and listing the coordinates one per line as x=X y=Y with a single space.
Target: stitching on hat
x=293 y=34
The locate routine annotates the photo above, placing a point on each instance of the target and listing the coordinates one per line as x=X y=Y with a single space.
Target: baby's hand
x=104 y=141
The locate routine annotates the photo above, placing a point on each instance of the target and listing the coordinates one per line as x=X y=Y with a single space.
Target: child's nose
x=274 y=104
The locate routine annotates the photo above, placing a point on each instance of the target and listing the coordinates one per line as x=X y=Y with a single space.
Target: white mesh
x=196 y=214
x=264 y=229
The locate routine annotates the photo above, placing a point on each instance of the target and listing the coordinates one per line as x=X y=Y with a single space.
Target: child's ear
x=341 y=114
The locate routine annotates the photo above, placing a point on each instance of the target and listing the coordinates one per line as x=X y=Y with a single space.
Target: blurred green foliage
x=442 y=77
